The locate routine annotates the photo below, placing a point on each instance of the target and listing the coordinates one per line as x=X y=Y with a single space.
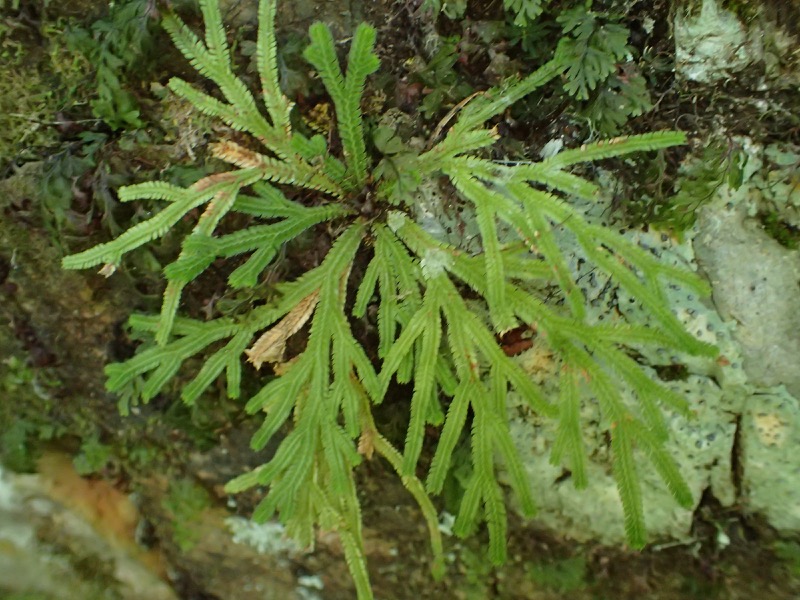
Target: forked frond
x=346 y=92
x=216 y=41
x=216 y=66
x=183 y=201
x=628 y=484
x=569 y=440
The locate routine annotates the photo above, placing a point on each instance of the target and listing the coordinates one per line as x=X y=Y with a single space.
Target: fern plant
x=428 y=332
x=524 y=11
x=602 y=76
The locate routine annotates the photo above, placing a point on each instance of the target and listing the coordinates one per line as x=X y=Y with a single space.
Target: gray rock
x=54 y=550
x=701 y=446
x=755 y=283
x=770 y=458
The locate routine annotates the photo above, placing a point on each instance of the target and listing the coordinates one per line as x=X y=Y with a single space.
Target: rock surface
x=67 y=537
x=756 y=283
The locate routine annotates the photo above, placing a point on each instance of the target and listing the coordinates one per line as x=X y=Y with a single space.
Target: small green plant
x=452 y=9
x=92 y=457
x=602 y=81
x=185 y=502
x=601 y=76
x=789 y=554
x=673 y=204
x=523 y=11
x=114 y=46
x=442 y=84
x=431 y=329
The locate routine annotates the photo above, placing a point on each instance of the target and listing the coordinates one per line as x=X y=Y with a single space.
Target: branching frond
x=569 y=440
x=182 y=202
x=497 y=100
x=346 y=92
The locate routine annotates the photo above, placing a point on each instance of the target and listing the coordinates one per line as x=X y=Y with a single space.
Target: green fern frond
x=569 y=439
x=226 y=358
x=618 y=146
x=162 y=362
x=182 y=202
x=630 y=492
x=424 y=377
x=361 y=62
x=346 y=92
x=233 y=89
x=278 y=105
x=216 y=41
x=555 y=179
x=666 y=467
x=502 y=316
x=268 y=203
x=496 y=100
x=291 y=172
x=511 y=460
x=397 y=277
x=451 y=431
x=157 y=190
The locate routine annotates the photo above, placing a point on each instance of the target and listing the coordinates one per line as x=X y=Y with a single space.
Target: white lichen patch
x=265 y=538
x=770 y=457
x=309 y=586
x=435 y=262
x=713 y=44
x=395 y=220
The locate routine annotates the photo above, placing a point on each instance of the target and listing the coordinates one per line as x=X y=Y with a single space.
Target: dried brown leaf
x=233 y=153
x=272 y=344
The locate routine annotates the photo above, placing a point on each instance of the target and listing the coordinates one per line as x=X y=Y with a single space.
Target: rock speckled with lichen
x=770 y=457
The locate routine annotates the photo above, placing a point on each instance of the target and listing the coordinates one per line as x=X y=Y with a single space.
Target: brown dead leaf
x=272 y=344
x=233 y=153
x=366 y=444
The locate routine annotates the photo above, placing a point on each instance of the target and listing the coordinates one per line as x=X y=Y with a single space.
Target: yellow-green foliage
x=27 y=99
x=282 y=183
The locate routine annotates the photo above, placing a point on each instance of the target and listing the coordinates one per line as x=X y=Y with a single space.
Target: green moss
x=560 y=575
x=789 y=554
x=782 y=232
x=478 y=571
x=745 y=10
x=185 y=502
x=26 y=106
x=26 y=421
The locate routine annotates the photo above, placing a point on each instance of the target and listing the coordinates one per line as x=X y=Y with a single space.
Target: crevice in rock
x=736 y=462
